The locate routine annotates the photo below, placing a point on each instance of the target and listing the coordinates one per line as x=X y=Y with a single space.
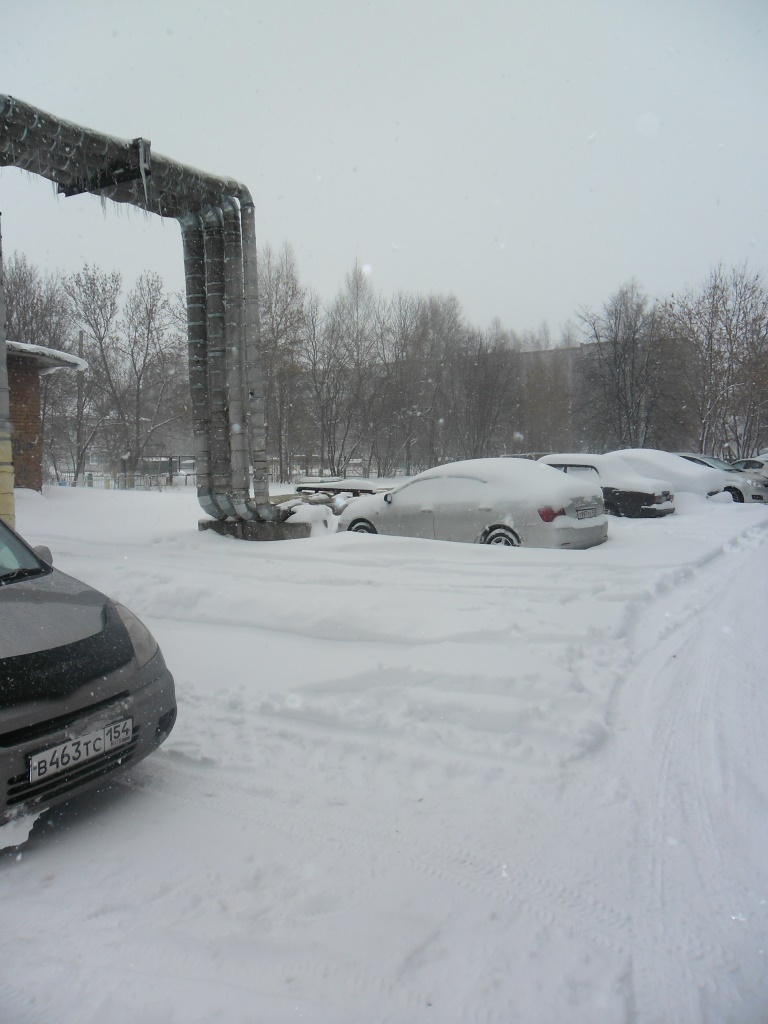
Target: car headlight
x=144 y=644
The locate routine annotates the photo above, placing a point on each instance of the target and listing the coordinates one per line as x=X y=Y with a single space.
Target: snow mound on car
x=683 y=475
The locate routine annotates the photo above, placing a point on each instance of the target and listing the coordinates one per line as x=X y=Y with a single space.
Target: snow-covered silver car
x=739 y=483
x=486 y=501
x=756 y=468
x=84 y=689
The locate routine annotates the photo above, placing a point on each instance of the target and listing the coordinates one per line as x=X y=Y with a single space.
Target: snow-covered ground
x=414 y=781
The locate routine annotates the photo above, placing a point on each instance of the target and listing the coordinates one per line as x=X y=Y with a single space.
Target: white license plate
x=77 y=751
x=586 y=513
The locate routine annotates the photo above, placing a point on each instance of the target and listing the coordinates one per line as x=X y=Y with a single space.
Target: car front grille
x=49 y=725
x=20 y=789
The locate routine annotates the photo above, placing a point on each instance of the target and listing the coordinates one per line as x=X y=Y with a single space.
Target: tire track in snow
x=679 y=850
x=482 y=869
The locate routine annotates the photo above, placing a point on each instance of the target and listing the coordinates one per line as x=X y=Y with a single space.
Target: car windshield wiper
x=20 y=574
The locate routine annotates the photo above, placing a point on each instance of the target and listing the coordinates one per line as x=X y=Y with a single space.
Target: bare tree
x=441 y=330
x=147 y=368
x=327 y=373
x=479 y=387
x=36 y=305
x=746 y=324
x=282 y=312
x=396 y=411
x=135 y=357
x=38 y=314
x=721 y=333
x=624 y=372
x=94 y=299
x=339 y=347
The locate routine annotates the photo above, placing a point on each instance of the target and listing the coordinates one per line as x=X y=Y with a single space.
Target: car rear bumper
x=640 y=505
x=654 y=511
x=147 y=697
x=577 y=537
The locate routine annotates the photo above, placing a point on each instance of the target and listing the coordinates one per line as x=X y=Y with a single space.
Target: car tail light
x=549 y=514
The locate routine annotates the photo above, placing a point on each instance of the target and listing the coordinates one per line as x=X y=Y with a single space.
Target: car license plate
x=586 y=513
x=83 y=748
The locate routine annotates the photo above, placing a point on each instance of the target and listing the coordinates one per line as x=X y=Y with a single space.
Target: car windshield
x=583 y=473
x=16 y=560
x=710 y=460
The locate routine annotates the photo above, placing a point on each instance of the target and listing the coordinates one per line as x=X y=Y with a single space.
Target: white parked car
x=682 y=475
x=756 y=468
x=625 y=492
x=739 y=483
x=486 y=501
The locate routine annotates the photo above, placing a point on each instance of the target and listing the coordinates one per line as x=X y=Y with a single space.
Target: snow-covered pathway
x=414 y=782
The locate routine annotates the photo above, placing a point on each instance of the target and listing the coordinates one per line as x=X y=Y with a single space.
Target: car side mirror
x=388 y=497
x=43 y=553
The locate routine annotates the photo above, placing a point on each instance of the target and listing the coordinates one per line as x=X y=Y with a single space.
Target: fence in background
x=124 y=481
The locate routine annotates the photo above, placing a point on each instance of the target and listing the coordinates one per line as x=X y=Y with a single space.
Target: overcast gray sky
x=528 y=157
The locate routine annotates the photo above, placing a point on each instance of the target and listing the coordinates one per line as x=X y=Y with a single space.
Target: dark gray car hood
x=56 y=635
x=48 y=611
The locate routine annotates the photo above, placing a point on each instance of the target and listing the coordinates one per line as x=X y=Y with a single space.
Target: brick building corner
x=25 y=365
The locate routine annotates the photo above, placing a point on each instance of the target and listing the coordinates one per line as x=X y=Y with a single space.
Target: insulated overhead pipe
x=7 y=510
x=253 y=366
x=233 y=337
x=197 y=351
x=216 y=217
x=213 y=234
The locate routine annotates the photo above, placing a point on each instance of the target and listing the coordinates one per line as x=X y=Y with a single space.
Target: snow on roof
x=612 y=470
x=529 y=480
x=48 y=359
x=683 y=475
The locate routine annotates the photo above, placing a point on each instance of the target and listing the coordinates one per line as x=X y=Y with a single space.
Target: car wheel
x=735 y=493
x=361 y=526
x=501 y=535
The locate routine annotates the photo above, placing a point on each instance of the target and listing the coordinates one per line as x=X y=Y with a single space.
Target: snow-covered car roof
x=683 y=475
x=614 y=471
x=527 y=479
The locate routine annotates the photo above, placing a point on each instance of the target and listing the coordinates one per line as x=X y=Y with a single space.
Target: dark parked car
x=625 y=491
x=84 y=690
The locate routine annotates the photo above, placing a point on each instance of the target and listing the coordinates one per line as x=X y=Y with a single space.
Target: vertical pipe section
x=194 y=274
x=7 y=509
x=213 y=234
x=233 y=335
x=253 y=375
